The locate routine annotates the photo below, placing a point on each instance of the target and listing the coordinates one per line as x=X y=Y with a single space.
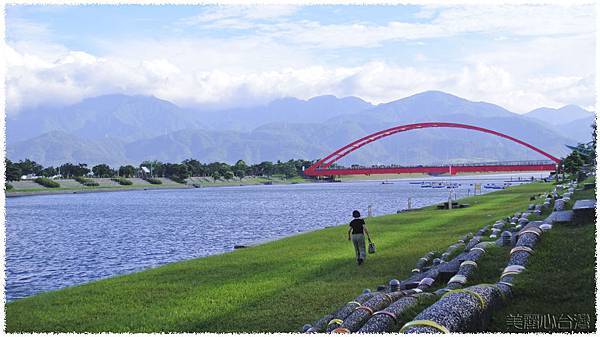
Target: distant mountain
x=314 y=128
x=434 y=104
x=564 y=115
x=290 y=110
x=111 y=116
x=579 y=129
x=58 y=147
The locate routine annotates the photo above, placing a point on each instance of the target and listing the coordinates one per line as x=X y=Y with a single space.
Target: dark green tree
x=49 y=171
x=572 y=163
x=228 y=175
x=157 y=168
x=103 y=171
x=240 y=174
x=127 y=171
x=30 y=167
x=240 y=167
x=195 y=168
x=69 y=170
x=13 y=171
x=266 y=168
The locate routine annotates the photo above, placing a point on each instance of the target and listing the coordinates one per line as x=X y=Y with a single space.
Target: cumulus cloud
x=77 y=75
x=545 y=58
x=520 y=21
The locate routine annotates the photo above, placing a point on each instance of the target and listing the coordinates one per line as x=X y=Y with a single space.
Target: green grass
x=122 y=181
x=47 y=182
x=277 y=286
x=86 y=181
x=93 y=188
x=153 y=181
x=559 y=280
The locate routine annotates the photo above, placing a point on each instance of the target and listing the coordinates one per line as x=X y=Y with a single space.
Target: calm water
x=61 y=240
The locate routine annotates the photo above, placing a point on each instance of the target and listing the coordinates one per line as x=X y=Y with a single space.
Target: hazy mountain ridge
x=110 y=116
x=560 y=116
x=291 y=110
x=90 y=136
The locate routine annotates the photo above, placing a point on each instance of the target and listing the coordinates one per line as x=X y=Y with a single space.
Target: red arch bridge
x=325 y=167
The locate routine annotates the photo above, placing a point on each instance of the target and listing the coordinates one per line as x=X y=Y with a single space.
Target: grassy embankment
x=70 y=185
x=559 y=282
x=277 y=286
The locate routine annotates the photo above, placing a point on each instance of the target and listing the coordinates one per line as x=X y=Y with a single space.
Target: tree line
x=176 y=171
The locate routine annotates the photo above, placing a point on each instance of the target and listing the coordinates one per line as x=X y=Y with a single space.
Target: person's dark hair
x=356 y=214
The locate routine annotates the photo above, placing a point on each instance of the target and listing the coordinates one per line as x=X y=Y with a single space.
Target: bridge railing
x=504 y=163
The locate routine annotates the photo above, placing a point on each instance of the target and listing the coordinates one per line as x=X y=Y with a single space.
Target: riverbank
x=70 y=186
x=276 y=286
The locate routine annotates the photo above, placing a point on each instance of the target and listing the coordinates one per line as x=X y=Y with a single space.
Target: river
x=55 y=241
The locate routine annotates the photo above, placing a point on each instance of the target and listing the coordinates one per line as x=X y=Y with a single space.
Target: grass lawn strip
x=277 y=286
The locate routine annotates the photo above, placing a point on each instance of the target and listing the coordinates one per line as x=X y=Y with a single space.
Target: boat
x=386 y=183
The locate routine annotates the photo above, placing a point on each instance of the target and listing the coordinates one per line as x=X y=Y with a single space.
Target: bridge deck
x=438 y=169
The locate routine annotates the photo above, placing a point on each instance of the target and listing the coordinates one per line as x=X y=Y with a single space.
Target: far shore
x=193 y=183
x=92 y=190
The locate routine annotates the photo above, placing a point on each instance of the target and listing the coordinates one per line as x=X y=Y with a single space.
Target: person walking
x=356 y=232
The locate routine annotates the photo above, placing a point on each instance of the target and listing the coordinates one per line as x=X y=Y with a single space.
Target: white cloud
x=518 y=21
x=237 y=17
x=76 y=75
x=545 y=58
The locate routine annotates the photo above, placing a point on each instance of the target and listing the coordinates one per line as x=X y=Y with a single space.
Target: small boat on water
x=493 y=186
x=386 y=183
x=416 y=182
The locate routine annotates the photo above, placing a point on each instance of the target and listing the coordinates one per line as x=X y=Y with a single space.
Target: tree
x=127 y=171
x=13 y=171
x=240 y=174
x=240 y=168
x=49 y=172
x=195 y=167
x=215 y=175
x=228 y=175
x=157 y=168
x=573 y=163
x=103 y=171
x=288 y=169
x=81 y=170
x=177 y=171
x=30 y=167
x=266 y=168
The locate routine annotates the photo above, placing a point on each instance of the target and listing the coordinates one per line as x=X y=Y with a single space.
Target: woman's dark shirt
x=357 y=226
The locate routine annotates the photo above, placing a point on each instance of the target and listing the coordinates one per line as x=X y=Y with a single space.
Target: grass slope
x=277 y=286
x=559 y=281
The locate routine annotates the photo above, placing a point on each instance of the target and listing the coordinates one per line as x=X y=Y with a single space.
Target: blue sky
x=520 y=57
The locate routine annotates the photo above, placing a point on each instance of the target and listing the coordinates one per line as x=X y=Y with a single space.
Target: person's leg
x=361 y=247
x=356 y=246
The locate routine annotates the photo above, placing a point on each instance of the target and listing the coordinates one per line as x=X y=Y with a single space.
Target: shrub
x=86 y=181
x=178 y=179
x=47 y=182
x=122 y=181
x=154 y=181
x=9 y=187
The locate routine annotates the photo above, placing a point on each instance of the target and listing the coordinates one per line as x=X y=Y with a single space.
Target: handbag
x=371 y=247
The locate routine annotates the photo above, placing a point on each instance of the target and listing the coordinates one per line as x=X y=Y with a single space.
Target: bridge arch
x=357 y=144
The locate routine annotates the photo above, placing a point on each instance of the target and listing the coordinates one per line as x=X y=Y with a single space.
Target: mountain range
x=121 y=129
